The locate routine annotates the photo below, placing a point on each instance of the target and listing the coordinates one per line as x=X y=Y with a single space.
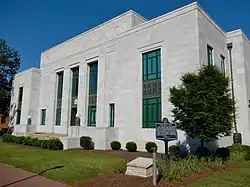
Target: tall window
x=151 y=88
x=112 y=115
x=209 y=55
x=59 y=97
x=222 y=64
x=43 y=116
x=152 y=65
x=93 y=75
x=3 y=120
x=74 y=95
x=19 y=106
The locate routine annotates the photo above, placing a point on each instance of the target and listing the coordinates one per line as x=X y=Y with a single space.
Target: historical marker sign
x=166 y=132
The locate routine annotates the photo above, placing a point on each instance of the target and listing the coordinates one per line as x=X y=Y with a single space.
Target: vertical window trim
x=19 y=106
x=210 y=48
x=60 y=80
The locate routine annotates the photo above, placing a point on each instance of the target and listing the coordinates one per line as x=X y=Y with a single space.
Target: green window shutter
x=43 y=118
x=75 y=77
x=112 y=115
x=92 y=116
x=152 y=65
x=151 y=112
x=58 y=116
x=93 y=76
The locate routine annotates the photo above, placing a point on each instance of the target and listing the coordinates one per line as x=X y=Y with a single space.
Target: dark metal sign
x=166 y=131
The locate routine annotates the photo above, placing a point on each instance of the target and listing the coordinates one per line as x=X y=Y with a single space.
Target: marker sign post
x=166 y=132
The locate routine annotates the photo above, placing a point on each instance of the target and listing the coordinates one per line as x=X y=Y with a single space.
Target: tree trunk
x=202 y=143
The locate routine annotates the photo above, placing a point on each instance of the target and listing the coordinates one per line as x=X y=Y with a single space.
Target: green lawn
x=78 y=165
x=237 y=177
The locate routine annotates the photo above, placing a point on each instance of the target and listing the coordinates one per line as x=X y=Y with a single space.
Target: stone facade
x=118 y=44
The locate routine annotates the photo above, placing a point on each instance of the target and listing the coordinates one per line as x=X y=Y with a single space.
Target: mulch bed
x=122 y=180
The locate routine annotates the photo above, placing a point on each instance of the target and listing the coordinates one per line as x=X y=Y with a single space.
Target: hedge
x=53 y=144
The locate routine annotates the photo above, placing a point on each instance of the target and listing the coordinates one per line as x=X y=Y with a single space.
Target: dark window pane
x=43 y=116
x=3 y=119
x=75 y=76
x=93 y=78
x=92 y=116
x=58 y=116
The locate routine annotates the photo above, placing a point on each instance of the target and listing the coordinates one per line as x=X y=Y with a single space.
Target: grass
x=236 y=177
x=78 y=165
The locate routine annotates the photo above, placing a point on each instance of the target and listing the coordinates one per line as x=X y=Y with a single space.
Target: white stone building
x=101 y=74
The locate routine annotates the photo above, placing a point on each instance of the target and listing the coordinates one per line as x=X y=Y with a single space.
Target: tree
x=203 y=106
x=9 y=64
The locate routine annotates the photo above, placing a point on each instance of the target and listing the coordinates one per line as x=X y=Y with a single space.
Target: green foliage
x=19 y=139
x=115 y=145
x=3 y=131
x=131 y=146
x=27 y=140
x=33 y=141
x=203 y=152
x=86 y=143
x=181 y=168
x=6 y=137
x=45 y=144
x=55 y=144
x=174 y=152
x=247 y=156
x=203 y=105
x=223 y=153
x=39 y=143
x=9 y=64
x=149 y=147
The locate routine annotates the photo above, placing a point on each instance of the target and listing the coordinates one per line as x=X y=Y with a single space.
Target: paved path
x=9 y=175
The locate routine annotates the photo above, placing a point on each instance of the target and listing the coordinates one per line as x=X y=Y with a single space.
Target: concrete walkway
x=9 y=175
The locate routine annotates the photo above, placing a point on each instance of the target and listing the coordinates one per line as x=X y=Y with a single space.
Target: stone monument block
x=142 y=167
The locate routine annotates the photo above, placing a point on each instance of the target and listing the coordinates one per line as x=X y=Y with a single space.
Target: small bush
x=12 y=138
x=45 y=144
x=131 y=147
x=86 y=143
x=55 y=144
x=39 y=143
x=19 y=139
x=174 y=151
x=223 y=153
x=115 y=145
x=149 y=147
x=26 y=140
x=6 y=137
x=33 y=141
x=203 y=152
x=247 y=156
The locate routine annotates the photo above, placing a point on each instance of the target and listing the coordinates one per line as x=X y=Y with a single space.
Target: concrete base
x=70 y=142
x=141 y=167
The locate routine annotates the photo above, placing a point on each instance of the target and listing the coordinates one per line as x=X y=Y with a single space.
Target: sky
x=33 y=26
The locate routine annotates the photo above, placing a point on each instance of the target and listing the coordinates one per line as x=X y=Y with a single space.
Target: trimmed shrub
x=33 y=141
x=55 y=144
x=6 y=137
x=237 y=148
x=12 y=138
x=149 y=147
x=86 y=143
x=203 y=152
x=45 y=144
x=174 y=151
x=223 y=153
x=19 y=139
x=27 y=140
x=247 y=156
x=131 y=147
x=39 y=143
x=115 y=145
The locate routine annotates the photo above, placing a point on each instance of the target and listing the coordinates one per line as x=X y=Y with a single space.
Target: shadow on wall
x=190 y=145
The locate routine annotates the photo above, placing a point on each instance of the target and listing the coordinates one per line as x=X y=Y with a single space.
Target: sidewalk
x=9 y=174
